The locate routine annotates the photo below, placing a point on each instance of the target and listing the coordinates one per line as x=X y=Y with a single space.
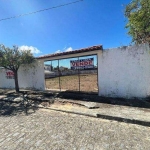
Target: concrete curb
x=126 y=120
x=113 y=118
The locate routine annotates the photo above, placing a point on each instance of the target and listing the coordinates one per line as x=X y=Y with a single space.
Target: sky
x=75 y=26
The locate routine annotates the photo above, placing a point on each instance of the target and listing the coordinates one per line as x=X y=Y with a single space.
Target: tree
x=138 y=14
x=12 y=59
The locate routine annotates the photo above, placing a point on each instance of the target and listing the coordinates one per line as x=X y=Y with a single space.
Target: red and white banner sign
x=9 y=75
x=82 y=63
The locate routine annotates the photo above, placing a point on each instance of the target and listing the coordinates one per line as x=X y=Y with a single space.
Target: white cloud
x=33 y=50
x=58 y=51
x=65 y=50
x=69 y=49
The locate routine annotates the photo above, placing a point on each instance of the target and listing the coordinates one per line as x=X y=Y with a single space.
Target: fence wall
x=124 y=72
x=30 y=77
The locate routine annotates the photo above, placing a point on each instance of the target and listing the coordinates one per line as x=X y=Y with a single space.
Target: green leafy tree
x=138 y=14
x=13 y=58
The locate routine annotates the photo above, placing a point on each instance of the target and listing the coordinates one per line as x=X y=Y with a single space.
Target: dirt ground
x=88 y=82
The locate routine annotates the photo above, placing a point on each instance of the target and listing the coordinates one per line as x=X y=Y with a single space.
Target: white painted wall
x=124 y=72
x=29 y=77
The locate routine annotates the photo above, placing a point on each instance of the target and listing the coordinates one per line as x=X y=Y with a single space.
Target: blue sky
x=84 y=24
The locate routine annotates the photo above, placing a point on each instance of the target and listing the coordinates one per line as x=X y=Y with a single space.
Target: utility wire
x=40 y=10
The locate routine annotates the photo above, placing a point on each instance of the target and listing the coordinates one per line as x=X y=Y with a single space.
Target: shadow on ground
x=13 y=109
x=92 y=97
x=12 y=103
x=8 y=108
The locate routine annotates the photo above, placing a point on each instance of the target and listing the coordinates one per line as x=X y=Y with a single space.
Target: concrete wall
x=30 y=77
x=124 y=72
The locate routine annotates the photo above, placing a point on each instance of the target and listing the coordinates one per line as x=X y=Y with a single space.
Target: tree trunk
x=16 y=81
